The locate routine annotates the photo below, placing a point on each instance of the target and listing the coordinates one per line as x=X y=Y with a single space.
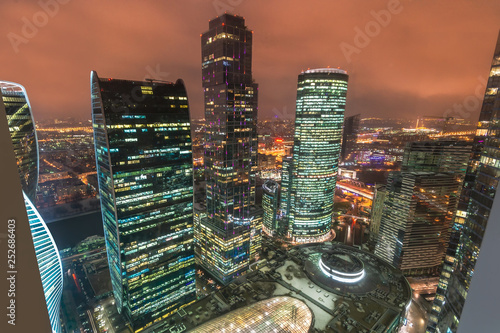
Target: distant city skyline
x=402 y=66
x=197 y=192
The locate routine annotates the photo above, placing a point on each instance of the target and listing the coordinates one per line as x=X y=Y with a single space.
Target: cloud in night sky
x=428 y=57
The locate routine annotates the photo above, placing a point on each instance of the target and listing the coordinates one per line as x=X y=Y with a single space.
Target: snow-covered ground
x=315 y=292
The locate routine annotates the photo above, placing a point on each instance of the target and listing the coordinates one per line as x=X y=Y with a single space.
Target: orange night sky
x=419 y=58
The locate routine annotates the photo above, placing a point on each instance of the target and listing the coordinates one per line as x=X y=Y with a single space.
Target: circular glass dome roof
x=278 y=314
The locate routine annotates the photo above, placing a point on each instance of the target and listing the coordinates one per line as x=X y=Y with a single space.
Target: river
x=72 y=230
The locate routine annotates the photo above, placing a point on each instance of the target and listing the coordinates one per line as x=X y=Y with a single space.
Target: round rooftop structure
x=346 y=270
x=342 y=267
x=325 y=71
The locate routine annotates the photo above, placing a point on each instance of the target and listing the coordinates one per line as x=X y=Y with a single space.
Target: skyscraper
x=349 y=135
x=379 y=196
x=231 y=148
x=321 y=98
x=415 y=222
x=270 y=200
x=437 y=156
x=23 y=135
x=418 y=210
x=286 y=181
x=480 y=185
x=49 y=263
x=144 y=163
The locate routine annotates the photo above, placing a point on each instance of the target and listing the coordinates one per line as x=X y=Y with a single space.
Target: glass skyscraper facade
x=23 y=134
x=321 y=98
x=416 y=219
x=379 y=196
x=478 y=192
x=142 y=139
x=284 y=203
x=418 y=209
x=437 y=156
x=230 y=229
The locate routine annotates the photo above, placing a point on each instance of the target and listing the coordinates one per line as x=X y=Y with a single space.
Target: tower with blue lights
x=49 y=263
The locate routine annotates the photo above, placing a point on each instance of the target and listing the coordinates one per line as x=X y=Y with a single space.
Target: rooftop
x=325 y=70
x=6 y=86
x=375 y=303
x=270 y=186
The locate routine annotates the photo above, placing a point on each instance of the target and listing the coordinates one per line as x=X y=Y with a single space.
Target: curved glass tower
x=142 y=138
x=321 y=98
x=23 y=134
x=49 y=263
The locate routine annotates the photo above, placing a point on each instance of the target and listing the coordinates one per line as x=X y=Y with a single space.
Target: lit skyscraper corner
x=231 y=230
x=145 y=170
x=23 y=134
x=321 y=98
x=471 y=220
x=49 y=263
x=284 y=195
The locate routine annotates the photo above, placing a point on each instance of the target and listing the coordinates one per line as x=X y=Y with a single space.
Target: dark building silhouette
x=418 y=208
x=349 y=135
x=142 y=140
